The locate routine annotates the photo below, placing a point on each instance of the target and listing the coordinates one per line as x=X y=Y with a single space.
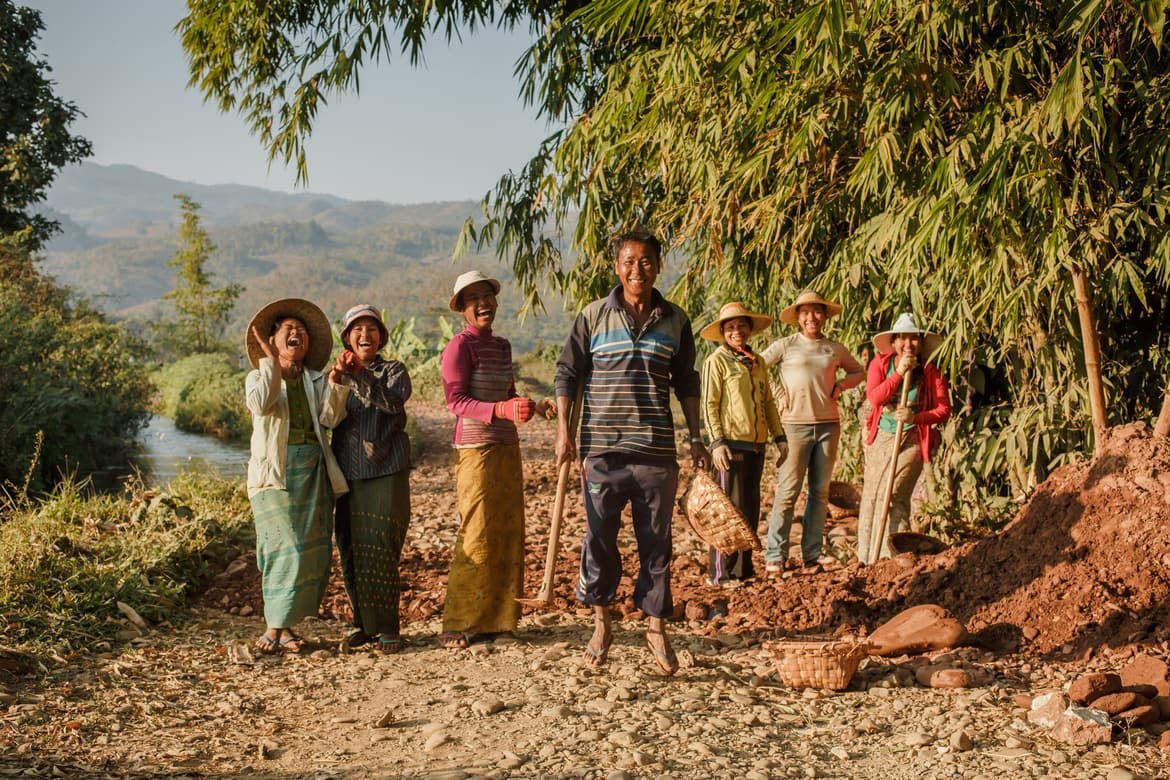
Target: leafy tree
x=1000 y=167
x=72 y=386
x=35 y=141
x=203 y=309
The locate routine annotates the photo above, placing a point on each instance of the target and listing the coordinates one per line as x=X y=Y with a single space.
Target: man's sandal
x=668 y=661
x=596 y=658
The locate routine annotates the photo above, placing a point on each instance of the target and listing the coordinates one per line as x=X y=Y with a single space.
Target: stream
x=166 y=451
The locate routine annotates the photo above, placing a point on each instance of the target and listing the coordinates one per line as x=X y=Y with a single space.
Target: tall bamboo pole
x=1162 y=427
x=1092 y=356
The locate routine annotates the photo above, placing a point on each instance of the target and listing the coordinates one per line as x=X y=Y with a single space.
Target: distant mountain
x=120 y=227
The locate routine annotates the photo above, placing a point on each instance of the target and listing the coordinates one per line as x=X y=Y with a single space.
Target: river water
x=166 y=451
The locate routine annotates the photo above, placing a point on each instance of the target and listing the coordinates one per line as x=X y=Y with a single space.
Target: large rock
x=1047 y=708
x=920 y=629
x=1147 y=670
x=1083 y=726
x=1113 y=703
x=1093 y=686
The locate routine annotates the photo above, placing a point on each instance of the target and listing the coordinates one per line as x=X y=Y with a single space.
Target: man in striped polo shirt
x=625 y=352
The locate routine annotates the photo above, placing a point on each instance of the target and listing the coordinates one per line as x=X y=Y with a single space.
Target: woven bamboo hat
x=884 y=341
x=788 y=316
x=320 y=334
x=731 y=311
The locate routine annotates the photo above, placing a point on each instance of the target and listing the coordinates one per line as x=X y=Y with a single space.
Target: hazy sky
x=445 y=131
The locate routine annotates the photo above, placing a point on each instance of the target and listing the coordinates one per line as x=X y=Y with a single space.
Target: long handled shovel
x=544 y=596
x=877 y=542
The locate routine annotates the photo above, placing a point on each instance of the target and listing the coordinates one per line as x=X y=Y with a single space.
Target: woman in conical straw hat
x=292 y=474
x=740 y=415
x=811 y=368
x=902 y=350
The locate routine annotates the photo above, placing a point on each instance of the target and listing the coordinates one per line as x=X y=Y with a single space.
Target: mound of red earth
x=1085 y=563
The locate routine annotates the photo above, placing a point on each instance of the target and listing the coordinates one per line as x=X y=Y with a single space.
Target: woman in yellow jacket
x=740 y=414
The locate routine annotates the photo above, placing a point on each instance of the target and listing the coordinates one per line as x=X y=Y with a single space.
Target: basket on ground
x=715 y=519
x=828 y=664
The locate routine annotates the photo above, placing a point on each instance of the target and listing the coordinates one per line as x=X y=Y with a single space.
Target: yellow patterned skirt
x=487 y=572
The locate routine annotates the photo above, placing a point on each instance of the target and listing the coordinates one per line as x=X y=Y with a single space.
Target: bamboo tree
x=967 y=160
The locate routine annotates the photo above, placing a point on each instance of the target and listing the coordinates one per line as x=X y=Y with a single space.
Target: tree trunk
x=1092 y=357
x=1162 y=427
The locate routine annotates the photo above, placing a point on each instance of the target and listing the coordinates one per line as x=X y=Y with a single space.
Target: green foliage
x=204 y=394
x=203 y=310
x=422 y=360
x=960 y=160
x=34 y=130
x=65 y=561
x=71 y=383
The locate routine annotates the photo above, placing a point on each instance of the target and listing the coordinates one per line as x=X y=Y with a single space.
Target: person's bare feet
x=597 y=650
x=659 y=644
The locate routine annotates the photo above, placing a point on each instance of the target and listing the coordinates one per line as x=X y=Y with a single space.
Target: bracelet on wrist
x=696 y=440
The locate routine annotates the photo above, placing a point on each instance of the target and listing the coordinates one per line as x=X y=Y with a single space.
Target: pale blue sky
x=445 y=131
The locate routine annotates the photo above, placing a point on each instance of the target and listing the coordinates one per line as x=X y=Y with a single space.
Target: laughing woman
x=487 y=573
x=374 y=452
x=292 y=477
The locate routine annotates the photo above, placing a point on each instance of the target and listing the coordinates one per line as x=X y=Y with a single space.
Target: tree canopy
x=970 y=161
x=202 y=309
x=35 y=141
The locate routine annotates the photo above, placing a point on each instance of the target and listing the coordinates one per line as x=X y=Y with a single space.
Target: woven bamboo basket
x=828 y=664
x=715 y=519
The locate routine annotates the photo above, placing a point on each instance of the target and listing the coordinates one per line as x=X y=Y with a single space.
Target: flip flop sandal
x=668 y=661
x=389 y=645
x=453 y=640
x=267 y=645
x=355 y=638
x=291 y=643
x=596 y=658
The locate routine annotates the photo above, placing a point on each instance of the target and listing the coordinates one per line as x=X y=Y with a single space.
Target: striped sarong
x=371 y=523
x=487 y=572
x=293 y=538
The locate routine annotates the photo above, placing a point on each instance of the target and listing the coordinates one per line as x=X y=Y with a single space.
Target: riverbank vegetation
x=69 y=558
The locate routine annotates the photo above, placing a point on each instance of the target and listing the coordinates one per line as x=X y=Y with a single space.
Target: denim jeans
x=812 y=450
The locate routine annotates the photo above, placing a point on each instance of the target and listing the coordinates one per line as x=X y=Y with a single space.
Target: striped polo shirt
x=628 y=376
x=477 y=372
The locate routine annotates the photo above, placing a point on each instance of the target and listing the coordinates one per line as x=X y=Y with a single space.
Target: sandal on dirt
x=668 y=661
x=291 y=643
x=391 y=644
x=453 y=640
x=596 y=658
x=355 y=638
x=267 y=645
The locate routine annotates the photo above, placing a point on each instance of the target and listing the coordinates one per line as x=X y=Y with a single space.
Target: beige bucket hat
x=788 y=316
x=320 y=334
x=731 y=311
x=884 y=341
x=467 y=279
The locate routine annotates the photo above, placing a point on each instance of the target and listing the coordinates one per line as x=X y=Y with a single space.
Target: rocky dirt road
x=196 y=702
